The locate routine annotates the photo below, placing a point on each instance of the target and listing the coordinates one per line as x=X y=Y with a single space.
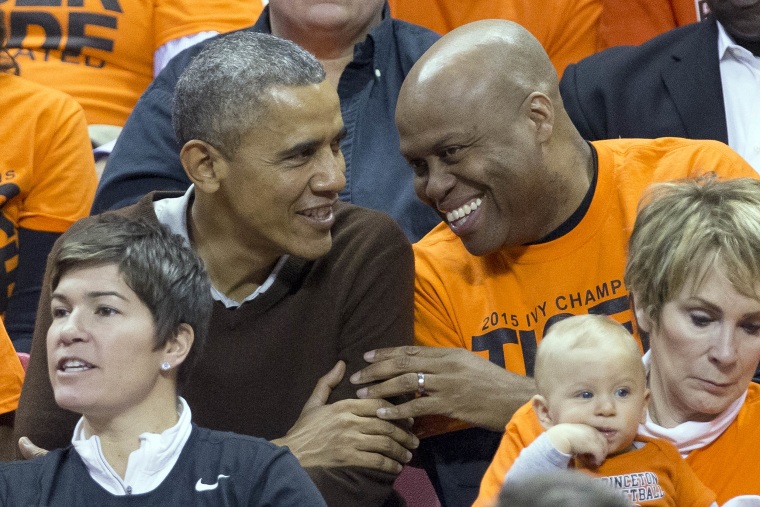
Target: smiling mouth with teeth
x=323 y=213
x=463 y=211
x=74 y=365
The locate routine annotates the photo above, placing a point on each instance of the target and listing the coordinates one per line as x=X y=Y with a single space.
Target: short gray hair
x=221 y=93
x=157 y=265
x=561 y=488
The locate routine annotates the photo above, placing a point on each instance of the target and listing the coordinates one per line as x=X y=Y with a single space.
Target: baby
x=592 y=397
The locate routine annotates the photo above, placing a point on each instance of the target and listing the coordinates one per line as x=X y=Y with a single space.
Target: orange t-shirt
x=632 y=22
x=11 y=374
x=47 y=171
x=101 y=51
x=728 y=466
x=500 y=305
x=652 y=475
x=567 y=29
x=655 y=476
x=731 y=464
x=521 y=431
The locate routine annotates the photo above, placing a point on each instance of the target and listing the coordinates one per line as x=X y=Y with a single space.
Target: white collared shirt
x=172 y=213
x=740 y=78
x=147 y=466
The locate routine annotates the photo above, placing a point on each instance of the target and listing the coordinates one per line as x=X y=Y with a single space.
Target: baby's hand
x=579 y=440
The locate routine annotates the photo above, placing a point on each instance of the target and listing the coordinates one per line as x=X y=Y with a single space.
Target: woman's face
x=705 y=350
x=100 y=345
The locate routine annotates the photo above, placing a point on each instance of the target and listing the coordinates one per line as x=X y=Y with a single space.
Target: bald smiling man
x=536 y=222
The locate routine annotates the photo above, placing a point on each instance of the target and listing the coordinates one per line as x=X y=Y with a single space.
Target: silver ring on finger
x=421 y=384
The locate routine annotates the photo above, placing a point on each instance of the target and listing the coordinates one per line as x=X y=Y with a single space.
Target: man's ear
x=541 y=408
x=205 y=165
x=178 y=346
x=541 y=113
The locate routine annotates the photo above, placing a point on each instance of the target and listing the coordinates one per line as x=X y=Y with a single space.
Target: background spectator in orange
x=567 y=29
x=631 y=22
x=699 y=81
x=11 y=378
x=47 y=182
x=105 y=53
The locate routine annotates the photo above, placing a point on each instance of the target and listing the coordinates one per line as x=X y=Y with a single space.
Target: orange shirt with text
x=500 y=305
x=727 y=466
x=101 y=51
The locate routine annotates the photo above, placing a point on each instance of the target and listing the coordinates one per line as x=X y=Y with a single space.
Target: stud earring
x=165 y=366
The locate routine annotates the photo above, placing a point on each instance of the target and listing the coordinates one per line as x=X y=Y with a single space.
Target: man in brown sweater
x=302 y=285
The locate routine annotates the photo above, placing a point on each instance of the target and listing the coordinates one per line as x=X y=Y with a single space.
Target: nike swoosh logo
x=201 y=486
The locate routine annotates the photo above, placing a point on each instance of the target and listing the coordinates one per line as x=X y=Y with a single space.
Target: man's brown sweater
x=263 y=359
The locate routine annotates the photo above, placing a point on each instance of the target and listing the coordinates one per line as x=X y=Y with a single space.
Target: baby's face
x=603 y=389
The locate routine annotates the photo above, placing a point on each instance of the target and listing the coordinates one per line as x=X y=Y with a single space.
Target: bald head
x=496 y=54
x=481 y=122
x=609 y=339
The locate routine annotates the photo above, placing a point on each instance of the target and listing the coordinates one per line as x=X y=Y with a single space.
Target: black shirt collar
x=574 y=219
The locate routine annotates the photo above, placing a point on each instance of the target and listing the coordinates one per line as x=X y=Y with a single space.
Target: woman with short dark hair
x=130 y=309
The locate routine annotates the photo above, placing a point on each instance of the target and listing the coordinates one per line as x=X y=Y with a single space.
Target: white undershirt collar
x=147 y=466
x=172 y=213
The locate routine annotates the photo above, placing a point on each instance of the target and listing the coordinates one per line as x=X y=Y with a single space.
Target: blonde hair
x=684 y=228
x=579 y=332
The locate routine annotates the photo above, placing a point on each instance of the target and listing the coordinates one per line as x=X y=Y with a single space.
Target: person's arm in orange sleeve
x=522 y=429
x=61 y=192
x=11 y=379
